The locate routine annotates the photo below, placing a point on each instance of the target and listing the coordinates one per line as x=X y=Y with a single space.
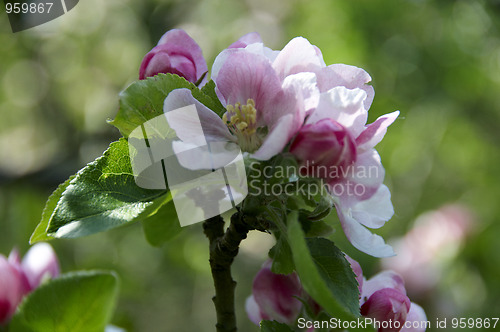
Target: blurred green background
x=438 y=62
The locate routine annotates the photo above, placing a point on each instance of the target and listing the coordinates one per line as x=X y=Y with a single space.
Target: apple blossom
x=274 y=297
x=20 y=277
x=176 y=53
x=325 y=143
x=274 y=98
x=386 y=305
x=384 y=298
x=263 y=112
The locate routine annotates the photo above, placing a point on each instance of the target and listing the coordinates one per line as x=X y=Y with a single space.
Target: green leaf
x=163 y=224
x=76 y=302
x=282 y=257
x=315 y=228
x=274 y=326
x=40 y=232
x=101 y=196
x=143 y=100
x=324 y=272
x=209 y=90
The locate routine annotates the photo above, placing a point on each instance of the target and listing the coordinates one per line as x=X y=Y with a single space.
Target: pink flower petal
x=176 y=53
x=219 y=62
x=325 y=149
x=384 y=279
x=244 y=41
x=183 y=44
x=298 y=56
x=375 y=131
x=350 y=77
x=40 y=262
x=245 y=75
x=15 y=261
x=11 y=291
x=387 y=305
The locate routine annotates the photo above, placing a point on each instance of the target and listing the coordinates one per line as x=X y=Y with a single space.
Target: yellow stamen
x=242 y=122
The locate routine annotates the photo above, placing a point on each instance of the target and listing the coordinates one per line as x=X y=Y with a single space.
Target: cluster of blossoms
x=382 y=298
x=289 y=101
x=20 y=277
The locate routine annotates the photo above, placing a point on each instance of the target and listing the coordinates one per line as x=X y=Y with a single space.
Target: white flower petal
x=415 y=319
x=305 y=88
x=276 y=140
x=253 y=310
x=39 y=262
x=344 y=106
x=349 y=76
x=375 y=211
x=362 y=238
x=298 y=56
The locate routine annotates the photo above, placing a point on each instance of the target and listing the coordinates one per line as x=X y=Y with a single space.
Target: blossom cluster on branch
x=289 y=101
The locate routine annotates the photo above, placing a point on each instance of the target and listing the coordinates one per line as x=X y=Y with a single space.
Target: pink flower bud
x=11 y=289
x=387 y=305
x=384 y=299
x=19 y=277
x=324 y=148
x=274 y=297
x=176 y=53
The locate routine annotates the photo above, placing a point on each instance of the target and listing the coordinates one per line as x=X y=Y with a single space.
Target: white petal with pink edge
x=375 y=132
x=298 y=56
x=416 y=319
x=277 y=138
x=348 y=76
x=384 y=279
x=39 y=263
x=375 y=211
x=361 y=238
x=344 y=106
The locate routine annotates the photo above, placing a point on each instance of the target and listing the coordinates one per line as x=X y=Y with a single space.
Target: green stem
x=223 y=249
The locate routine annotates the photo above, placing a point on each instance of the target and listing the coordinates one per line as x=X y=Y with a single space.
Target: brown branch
x=223 y=249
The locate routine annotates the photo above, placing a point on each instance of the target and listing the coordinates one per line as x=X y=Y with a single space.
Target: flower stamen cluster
x=242 y=123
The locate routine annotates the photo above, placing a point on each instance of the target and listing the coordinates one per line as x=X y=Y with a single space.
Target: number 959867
x=24 y=7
